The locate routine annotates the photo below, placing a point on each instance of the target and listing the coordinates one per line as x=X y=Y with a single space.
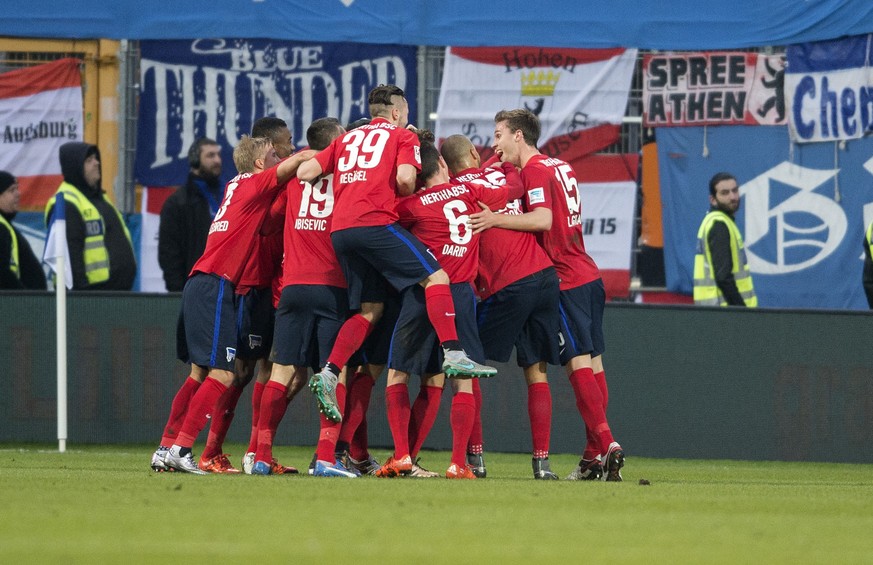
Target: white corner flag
x=56 y=243
x=57 y=257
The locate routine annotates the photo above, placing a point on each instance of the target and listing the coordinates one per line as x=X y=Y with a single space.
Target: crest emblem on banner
x=800 y=230
x=538 y=90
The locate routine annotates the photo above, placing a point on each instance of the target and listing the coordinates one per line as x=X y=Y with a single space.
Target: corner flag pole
x=61 y=324
x=58 y=259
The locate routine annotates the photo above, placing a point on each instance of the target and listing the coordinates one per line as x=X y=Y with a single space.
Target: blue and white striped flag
x=56 y=242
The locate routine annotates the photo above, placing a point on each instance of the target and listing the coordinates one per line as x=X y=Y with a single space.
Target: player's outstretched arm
x=290 y=166
x=309 y=171
x=538 y=219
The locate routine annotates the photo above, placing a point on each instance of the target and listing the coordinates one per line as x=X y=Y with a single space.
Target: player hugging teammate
x=473 y=253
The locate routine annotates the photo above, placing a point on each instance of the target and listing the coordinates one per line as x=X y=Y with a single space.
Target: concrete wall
x=684 y=382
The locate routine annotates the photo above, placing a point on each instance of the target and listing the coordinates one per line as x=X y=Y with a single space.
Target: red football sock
x=358 y=448
x=604 y=390
x=178 y=409
x=329 y=432
x=461 y=418
x=441 y=311
x=357 y=403
x=353 y=333
x=273 y=406
x=257 y=393
x=423 y=415
x=539 y=410
x=475 y=444
x=202 y=404
x=397 y=407
x=221 y=420
x=592 y=445
x=589 y=402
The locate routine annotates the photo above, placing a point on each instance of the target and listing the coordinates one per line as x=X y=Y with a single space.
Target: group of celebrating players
x=375 y=248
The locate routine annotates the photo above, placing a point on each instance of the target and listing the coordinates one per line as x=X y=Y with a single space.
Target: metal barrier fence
x=684 y=382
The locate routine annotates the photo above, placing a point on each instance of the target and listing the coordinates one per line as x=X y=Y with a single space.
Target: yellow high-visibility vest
x=706 y=291
x=95 y=253
x=13 y=257
x=869 y=237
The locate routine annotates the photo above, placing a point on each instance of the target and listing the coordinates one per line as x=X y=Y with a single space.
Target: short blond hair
x=248 y=150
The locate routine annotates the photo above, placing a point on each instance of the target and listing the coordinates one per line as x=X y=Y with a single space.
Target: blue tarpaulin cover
x=666 y=24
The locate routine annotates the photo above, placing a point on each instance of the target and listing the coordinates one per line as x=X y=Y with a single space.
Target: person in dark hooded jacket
x=101 y=251
x=19 y=267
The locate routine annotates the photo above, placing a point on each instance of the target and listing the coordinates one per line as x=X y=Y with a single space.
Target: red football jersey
x=364 y=163
x=234 y=231
x=438 y=217
x=551 y=183
x=309 y=254
x=505 y=256
x=265 y=261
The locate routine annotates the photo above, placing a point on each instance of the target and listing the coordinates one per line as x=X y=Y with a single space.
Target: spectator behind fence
x=101 y=251
x=721 y=272
x=188 y=212
x=19 y=267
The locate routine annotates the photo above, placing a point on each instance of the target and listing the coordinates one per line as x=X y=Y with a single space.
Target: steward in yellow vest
x=867 y=276
x=721 y=272
x=19 y=267
x=101 y=251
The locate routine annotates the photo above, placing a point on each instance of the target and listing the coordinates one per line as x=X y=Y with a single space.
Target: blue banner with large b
x=217 y=88
x=803 y=210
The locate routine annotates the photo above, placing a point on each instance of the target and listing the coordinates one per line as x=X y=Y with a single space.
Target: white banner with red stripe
x=580 y=95
x=151 y=275
x=608 y=188
x=40 y=110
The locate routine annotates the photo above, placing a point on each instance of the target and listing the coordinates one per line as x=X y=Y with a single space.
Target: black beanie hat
x=6 y=180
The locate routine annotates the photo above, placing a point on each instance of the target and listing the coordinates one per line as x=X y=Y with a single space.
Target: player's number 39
x=363 y=150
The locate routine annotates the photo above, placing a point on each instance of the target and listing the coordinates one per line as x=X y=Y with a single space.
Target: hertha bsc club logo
x=231 y=353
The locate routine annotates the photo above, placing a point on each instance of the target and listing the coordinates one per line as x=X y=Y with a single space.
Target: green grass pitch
x=102 y=504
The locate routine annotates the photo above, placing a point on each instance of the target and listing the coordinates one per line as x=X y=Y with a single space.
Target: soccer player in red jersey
x=312 y=306
x=209 y=306
x=260 y=287
x=256 y=335
x=553 y=212
x=372 y=166
x=438 y=215
x=369 y=362
x=256 y=324
x=519 y=291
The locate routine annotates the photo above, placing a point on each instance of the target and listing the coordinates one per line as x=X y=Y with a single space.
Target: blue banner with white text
x=802 y=213
x=217 y=88
x=829 y=89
